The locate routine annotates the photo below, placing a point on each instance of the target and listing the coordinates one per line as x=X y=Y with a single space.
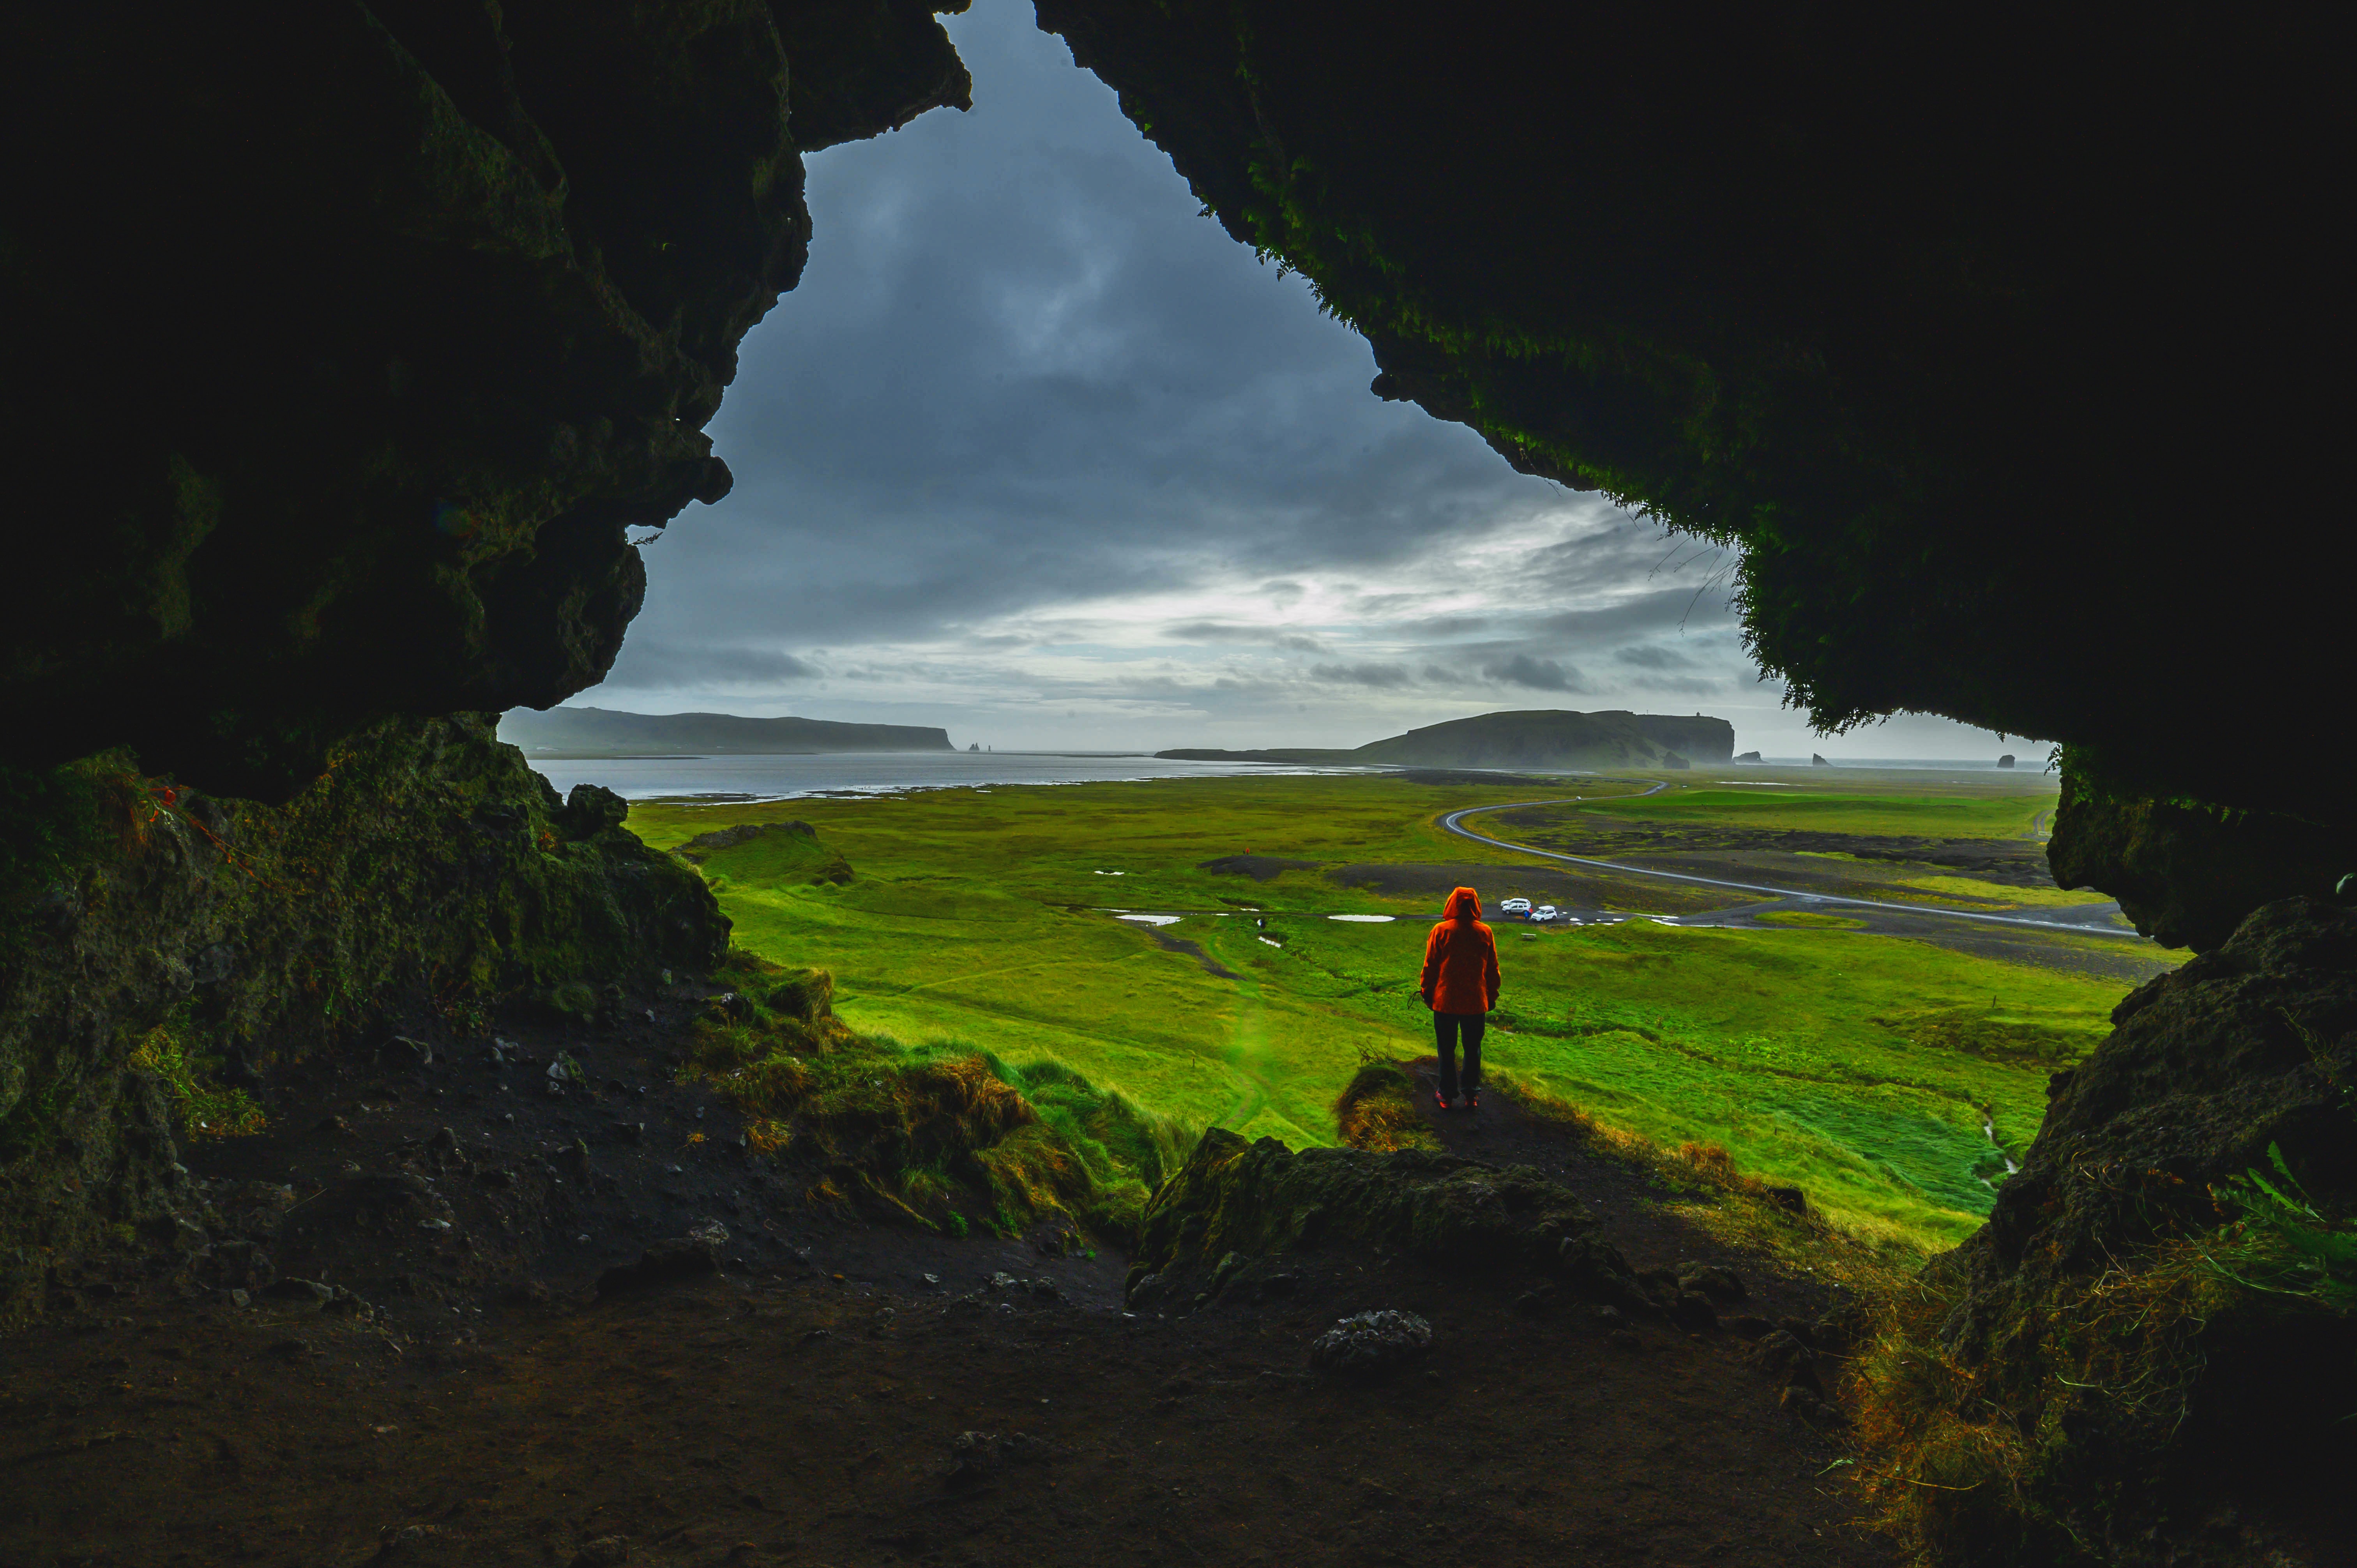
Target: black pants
x=1446 y=1027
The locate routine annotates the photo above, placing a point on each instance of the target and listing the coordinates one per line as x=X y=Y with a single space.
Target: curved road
x=1455 y=823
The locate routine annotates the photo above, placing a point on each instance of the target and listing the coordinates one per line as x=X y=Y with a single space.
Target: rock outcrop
x=2186 y=872
x=602 y=731
x=350 y=342
x=429 y=880
x=1538 y=738
x=2252 y=1046
x=2129 y=1344
x=1234 y=1208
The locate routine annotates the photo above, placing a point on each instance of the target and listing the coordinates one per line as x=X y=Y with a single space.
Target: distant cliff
x=1544 y=738
x=601 y=730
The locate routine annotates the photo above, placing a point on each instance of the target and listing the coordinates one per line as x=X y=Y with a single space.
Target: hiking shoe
x=1440 y=1099
x=1472 y=1099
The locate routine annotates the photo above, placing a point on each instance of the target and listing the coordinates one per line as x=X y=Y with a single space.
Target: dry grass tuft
x=1377 y=1110
x=1956 y=1452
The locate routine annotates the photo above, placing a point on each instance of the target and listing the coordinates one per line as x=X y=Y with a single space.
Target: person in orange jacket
x=1460 y=986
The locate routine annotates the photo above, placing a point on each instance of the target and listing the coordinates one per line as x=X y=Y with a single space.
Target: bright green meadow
x=1870 y=1070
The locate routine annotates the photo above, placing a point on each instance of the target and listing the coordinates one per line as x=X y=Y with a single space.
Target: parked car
x=1546 y=912
x=1513 y=906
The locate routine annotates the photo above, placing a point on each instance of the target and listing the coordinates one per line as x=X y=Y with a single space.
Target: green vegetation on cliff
x=1540 y=737
x=606 y=731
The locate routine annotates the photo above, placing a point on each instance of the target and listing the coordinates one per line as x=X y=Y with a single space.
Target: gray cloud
x=1450 y=626
x=1378 y=675
x=1681 y=686
x=1538 y=674
x=1658 y=610
x=1020 y=369
x=660 y=666
x=1229 y=631
x=1651 y=656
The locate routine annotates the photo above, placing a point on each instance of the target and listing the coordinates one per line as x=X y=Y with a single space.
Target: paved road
x=1455 y=823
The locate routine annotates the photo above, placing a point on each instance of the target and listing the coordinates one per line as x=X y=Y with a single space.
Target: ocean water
x=753 y=778
x=756 y=777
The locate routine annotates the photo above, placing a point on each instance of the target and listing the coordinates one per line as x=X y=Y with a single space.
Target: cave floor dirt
x=806 y=1406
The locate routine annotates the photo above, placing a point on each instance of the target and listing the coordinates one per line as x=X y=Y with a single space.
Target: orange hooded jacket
x=1460 y=959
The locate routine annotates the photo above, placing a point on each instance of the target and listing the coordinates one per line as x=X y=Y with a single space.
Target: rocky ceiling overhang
x=347 y=342
x=1998 y=336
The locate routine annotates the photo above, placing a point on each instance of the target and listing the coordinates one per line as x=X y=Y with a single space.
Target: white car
x=1513 y=906
x=1546 y=912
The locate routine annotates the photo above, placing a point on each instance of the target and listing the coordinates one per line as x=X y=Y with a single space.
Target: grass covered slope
x=1870 y=1070
x=939 y=1133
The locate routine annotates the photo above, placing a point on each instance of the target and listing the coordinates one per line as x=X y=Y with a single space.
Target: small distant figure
x=1460 y=986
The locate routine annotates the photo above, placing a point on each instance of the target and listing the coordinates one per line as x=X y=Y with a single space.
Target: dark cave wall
x=349 y=340
x=1927 y=309
x=2186 y=871
x=428 y=881
x=345 y=343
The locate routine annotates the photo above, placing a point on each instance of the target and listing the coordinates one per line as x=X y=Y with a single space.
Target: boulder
x=2186 y=874
x=2122 y=1326
x=1371 y=1343
x=1234 y=1202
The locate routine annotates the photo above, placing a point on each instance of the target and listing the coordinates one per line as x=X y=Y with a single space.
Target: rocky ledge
x=430 y=881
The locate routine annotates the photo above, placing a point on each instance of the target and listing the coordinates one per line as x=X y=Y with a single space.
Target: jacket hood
x=1464 y=904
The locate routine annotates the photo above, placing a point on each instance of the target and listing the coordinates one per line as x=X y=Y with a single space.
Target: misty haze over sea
x=877 y=773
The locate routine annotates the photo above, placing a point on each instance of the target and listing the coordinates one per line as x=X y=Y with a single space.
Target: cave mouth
x=1941 y=330
x=1036 y=451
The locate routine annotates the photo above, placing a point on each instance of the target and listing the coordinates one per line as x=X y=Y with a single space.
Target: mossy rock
x=429 y=880
x=769 y=854
x=806 y=995
x=574 y=1000
x=1256 y=1199
x=2128 y=1344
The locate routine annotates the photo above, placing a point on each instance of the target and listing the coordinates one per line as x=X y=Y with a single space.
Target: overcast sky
x=1037 y=452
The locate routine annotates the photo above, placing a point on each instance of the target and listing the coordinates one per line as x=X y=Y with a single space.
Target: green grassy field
x=1861 y=1068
